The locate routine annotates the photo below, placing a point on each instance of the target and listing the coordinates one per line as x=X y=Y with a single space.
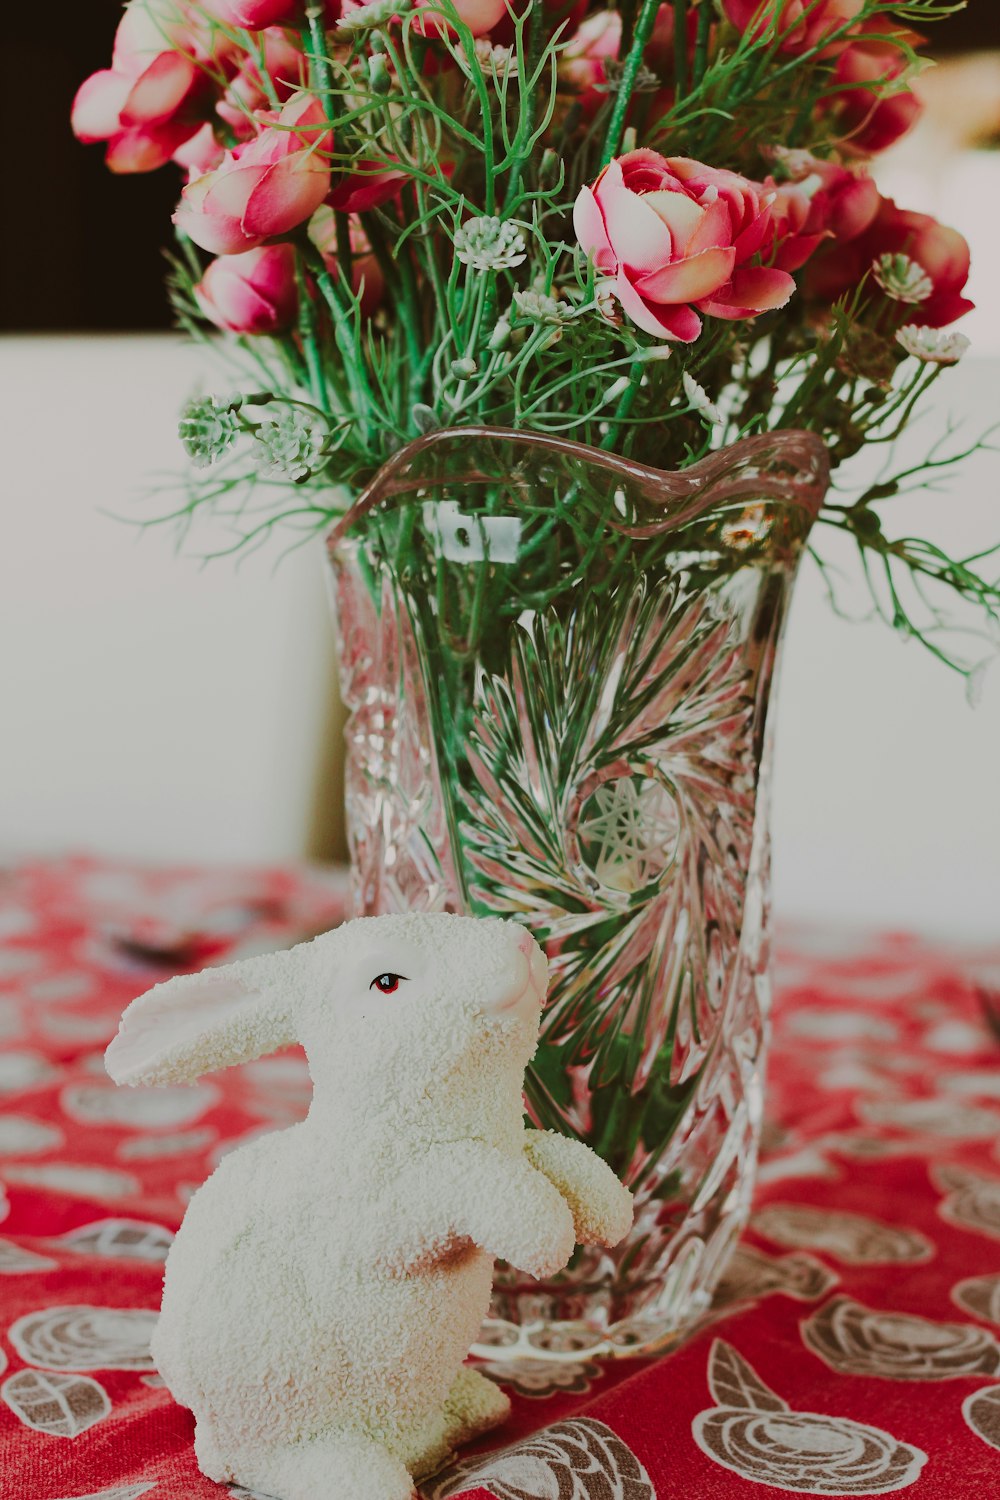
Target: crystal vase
x=557 y=666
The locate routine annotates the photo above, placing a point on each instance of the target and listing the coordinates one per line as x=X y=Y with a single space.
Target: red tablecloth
x=854 y=1349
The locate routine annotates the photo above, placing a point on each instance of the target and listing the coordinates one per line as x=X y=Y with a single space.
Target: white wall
x=153 y=708
x=149 y=706
x=887 y=785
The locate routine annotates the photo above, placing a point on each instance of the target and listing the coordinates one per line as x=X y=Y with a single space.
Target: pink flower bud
x=671 y=235
x=155 y=96
x=265 y=188
x=251 y=293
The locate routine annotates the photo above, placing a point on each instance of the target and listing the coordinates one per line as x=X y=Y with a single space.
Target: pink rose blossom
x=251 y=293
x=821 y=200
x=870 y=123
x=264 y=188
x=672 y=235
x=479 y=15
x=801 y=24
x=154 y=97
x=256 y=15
x=245 y=95
x=937 y=256
x=366 y=273
x=366 y=187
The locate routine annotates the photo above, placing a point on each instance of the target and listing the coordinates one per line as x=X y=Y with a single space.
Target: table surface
x=854 y=1348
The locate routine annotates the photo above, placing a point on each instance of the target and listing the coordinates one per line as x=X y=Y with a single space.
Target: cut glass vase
x=557 y=666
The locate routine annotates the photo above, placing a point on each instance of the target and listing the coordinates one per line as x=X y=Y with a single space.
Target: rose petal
x=285 y=195
x=98 y=105
x=160 y=91
x=752 y=290
x=663 y=322
x=588 y=225
x=689 y=279
x=681 y=214
x=638 y=235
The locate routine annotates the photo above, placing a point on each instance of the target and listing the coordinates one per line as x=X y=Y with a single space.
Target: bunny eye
x=386 y=984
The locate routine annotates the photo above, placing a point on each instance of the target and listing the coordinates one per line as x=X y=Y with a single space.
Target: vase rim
x=730 y=473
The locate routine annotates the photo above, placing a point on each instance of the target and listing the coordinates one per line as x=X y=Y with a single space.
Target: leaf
x=15 y=1261
x=60 y=1405
x=733 y=1383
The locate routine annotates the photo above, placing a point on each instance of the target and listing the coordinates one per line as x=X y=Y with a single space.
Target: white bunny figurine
x=327 y=1280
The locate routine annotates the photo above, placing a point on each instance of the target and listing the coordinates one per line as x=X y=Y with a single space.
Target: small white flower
x=616 y=389
x=538 y=307
x=902 y=278
x=371 y=17
x=464 y=369
x=487 y=243
x=500 y=337
x=500 y=61
x=935 y=346
x=699 y=399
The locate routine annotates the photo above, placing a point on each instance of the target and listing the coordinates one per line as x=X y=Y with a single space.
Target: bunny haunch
x=328 y=1279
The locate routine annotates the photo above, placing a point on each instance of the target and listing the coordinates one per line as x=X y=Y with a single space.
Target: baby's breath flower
x=494 y=59
x=699 y=399
x=935 y=346
x=464 y=369
x=487 y=243
x=646 y=81
x=539 y=307
x=902 y=278
x=371 y=17
x=289 y=445
x=208 y=426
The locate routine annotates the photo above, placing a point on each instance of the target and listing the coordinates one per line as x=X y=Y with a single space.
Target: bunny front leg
x=601 y=1206
x=468 y=1190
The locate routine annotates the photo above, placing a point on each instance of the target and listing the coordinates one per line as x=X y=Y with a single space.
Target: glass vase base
x=573 y=1341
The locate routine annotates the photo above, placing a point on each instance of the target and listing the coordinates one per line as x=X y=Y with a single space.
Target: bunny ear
x=200 y=1022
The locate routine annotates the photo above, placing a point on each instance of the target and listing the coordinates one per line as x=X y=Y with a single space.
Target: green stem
x=310 y=341
x=314 y=38
x=633 y=62
x=701 y=43
x=625 y=403
x=680 y=44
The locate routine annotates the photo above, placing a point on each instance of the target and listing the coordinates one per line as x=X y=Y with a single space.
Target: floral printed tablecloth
x=854 y=1348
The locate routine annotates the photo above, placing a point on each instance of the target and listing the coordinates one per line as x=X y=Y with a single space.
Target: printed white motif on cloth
x=851 y=1238
x=575 y=1460
x=856 y=1340
x=85 y=1338
x=754 y=1433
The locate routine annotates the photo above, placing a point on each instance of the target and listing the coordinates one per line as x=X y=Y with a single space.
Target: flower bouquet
x=559 y=316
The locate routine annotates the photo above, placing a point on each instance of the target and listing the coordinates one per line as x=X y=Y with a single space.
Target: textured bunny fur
x=328 y=1279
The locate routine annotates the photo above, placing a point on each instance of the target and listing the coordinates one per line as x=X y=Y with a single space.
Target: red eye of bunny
x=386 y=984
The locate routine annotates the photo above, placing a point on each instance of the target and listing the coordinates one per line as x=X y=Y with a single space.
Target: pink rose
x=801 y=24
x=366 y=273
x=251 y=293
x=820 y=200
x=255 y=15
x=264 y=188
x=245 y=95
x=924 y=287
x=154 y=97
x=583 y=62
x=479 y=15
x=870 y=123
x=672 y=235
x=366 y=187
